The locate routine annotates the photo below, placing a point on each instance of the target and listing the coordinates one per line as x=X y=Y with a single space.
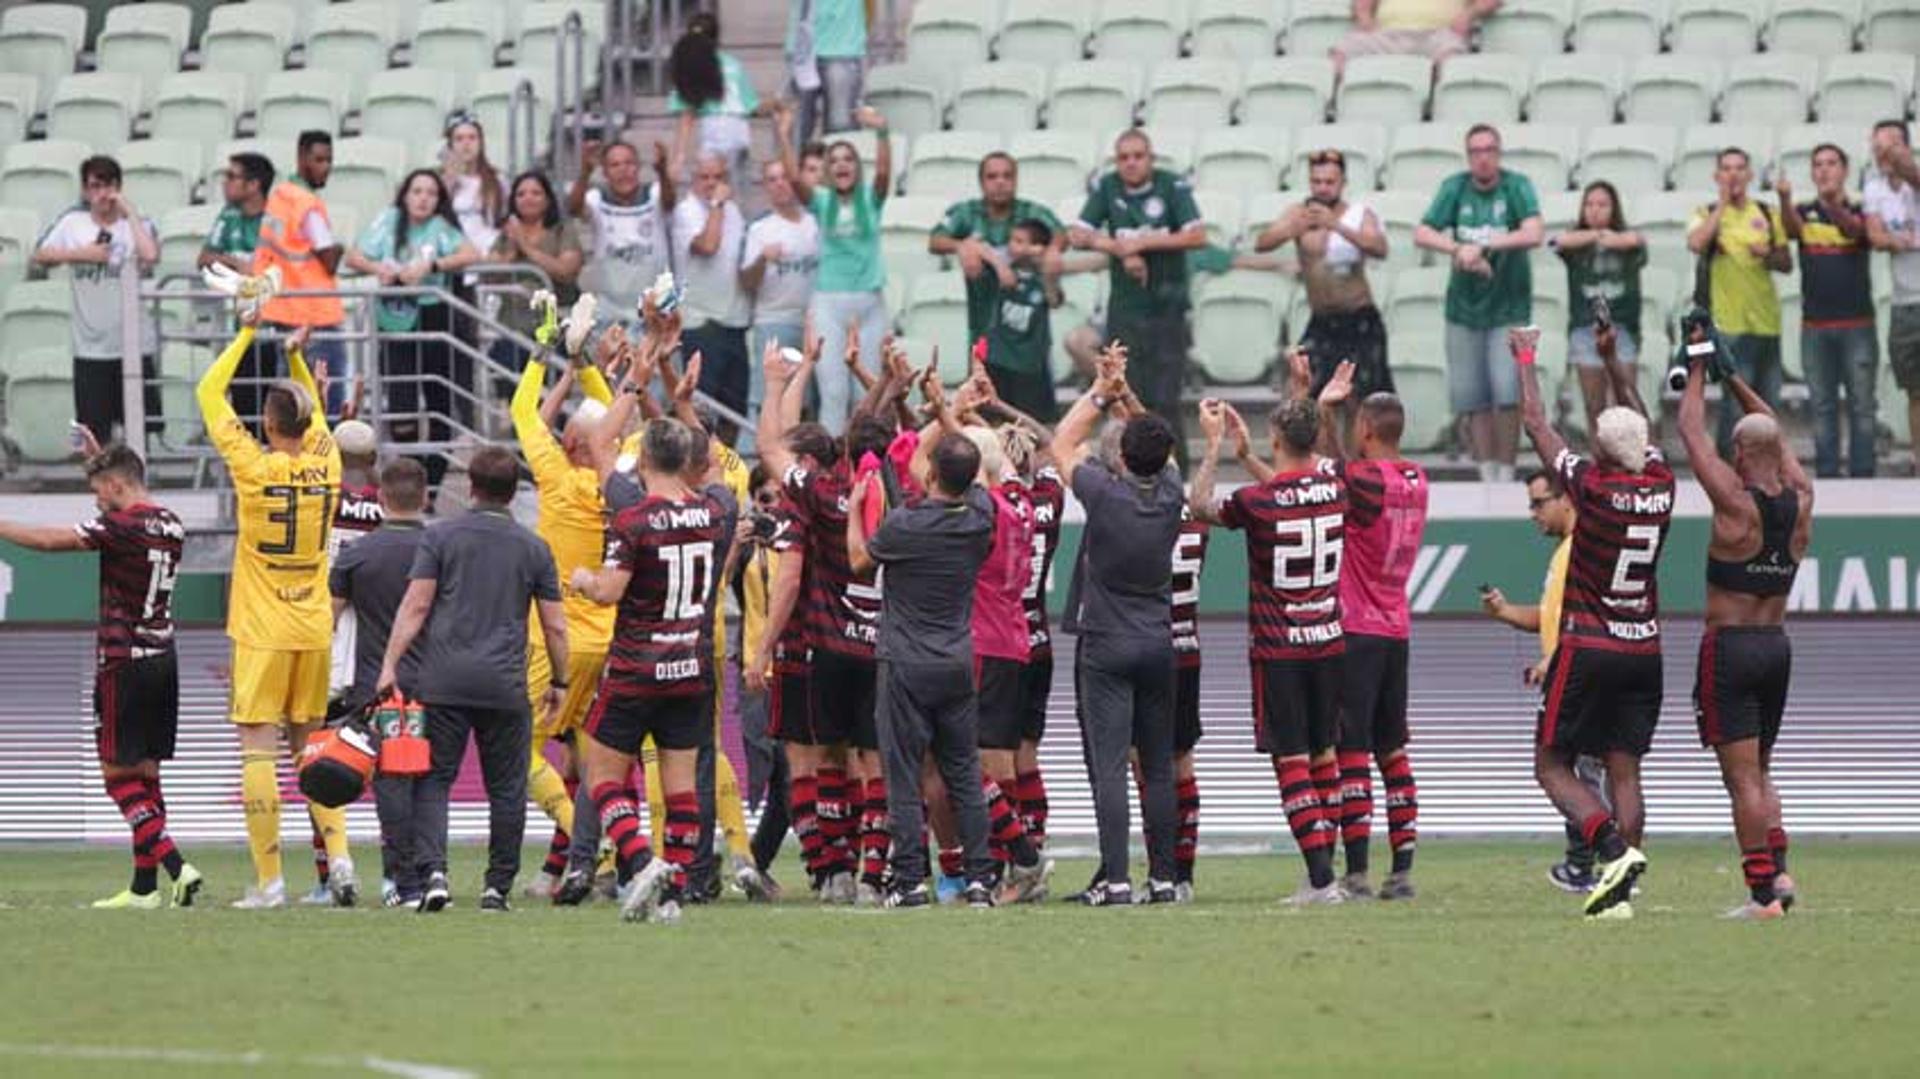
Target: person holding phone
x=1604 y=258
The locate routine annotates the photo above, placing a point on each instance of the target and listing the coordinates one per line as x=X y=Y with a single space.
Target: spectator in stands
x=1435 y=29
x=847 y=296
x=1485 y=219
x=1893 y=224
x=94 y=240
x=777 y=270
x=629 y=226
x=826 y=62
x=417 y=243
x=236 y=229
x=296 y=235
x=1741 y=244
x=479 y=197
x=1335 y=239
x=1839 y=349
x=1144 y=220
x=1604 y=259
x=712 y=95
x=534 y=233
x=813 y=164
x=976 y=231
x=709 y=235
x=1084 y=342
x=1025 y=288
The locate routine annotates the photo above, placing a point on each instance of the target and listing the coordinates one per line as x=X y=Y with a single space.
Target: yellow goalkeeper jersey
x=572 y=511
x=279 y=599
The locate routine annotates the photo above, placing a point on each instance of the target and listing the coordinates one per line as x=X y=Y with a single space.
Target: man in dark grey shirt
x=472 y=581
x=932 y=552
x=1120 y=608
x=371 y=576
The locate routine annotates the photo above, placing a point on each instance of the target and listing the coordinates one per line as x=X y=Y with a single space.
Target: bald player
x=1762 y=522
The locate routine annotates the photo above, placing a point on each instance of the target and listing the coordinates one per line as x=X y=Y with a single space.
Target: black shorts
x=1296 y=705
x=1036 y=689
x=1360 y=336
x=843 y=701
x=1186 y=708
x=790 y=708
x=996 y=682
x=1740 y=690
x=1373 y=714
x=136 y=709
x=1599 y=701
x=622 y=718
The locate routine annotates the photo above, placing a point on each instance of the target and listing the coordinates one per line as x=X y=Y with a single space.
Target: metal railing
x=523 y=139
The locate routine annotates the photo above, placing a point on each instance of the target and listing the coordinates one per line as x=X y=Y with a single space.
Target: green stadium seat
x=19 y=101
x=95 y=108
x=406 y=16
x=301 y=10
x=1095 y=95
x=1244 y=159
x=1173 y=148
x=1673 y=90
x=1221 y=212
x=1236 y=326
x=367 y=172
x=540 y=31
x=1195 y=94
x=1866 y=87
x=1260 y=210
x=201 y=106
x=1003 y=97
x=1620 y=27
x=1081 y=294
x=1820 y=28
x=296 y=101
x=1579 y=91
x=1795 y=154
x=1559 y=210
x=1314 y=27
x=946 y=164
x=1055 y=163
x=1287 y=91
x=936 y=310
x=1044 y=31
x=1634 y=157
x=45 y=361
x=281 y=151
x=492 y=98
x=1890 y=26
x=42 y=176
x=160 y=174
x=913 y=103
x=1792 y=362
x=1550 y=303
x=19 y=231
x=1659 y=291
x=1700 y=146
x=1417 y=302
x=37 y=314
x=1384 y=90
x=953 y=35
x=1423 y=155
x=1715 y=27
x=904 y=229
x=1139 y=31
x=42 y=40
x=1399 y=211
x=183 y=232
x=1661 y=217
x=1770 y=89
x=38 y=409
x=354 y=40
x=1365 y=147
x=145 y=40
x=1528 y=28
x=1543 y=153
x=461 y=35
x=1481 y=89
x=411 y=104
x=249 y=40
x=1892 y=402
x=1423 y=391
x=1243 y=30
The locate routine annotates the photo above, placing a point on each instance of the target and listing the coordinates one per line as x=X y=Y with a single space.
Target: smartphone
x=1602 y=312
x=105 y=237
x=76 y=435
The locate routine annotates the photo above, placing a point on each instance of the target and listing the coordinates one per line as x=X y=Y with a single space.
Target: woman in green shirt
x=1604 y=259
x=847 y=291
x=417 y=242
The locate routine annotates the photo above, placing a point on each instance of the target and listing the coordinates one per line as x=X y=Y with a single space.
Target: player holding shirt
x=136 y=686
x=279 y=613
x=1603 y=684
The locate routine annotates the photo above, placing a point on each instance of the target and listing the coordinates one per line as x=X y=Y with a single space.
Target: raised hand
x=1213 y=421
x=1523 y=342
x=1299 y=371
x=1339 y=388
x=1237 y=429
x=689 y=380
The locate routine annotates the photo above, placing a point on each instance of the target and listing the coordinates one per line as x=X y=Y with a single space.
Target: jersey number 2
x=1640 y=548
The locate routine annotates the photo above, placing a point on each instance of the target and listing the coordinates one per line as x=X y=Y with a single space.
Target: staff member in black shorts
x=1762 y=521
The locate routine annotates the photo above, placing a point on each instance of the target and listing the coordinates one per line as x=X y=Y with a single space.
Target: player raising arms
x=1762 y=522
x=279 y=613
x=1603 y=686
x=136 y=683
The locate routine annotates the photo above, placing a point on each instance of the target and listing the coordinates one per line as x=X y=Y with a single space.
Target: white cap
x=355 y=437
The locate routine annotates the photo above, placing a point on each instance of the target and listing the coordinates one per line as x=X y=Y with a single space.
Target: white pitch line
x=252 y=1058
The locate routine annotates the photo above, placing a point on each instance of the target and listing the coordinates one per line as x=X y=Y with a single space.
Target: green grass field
x=1490 y=971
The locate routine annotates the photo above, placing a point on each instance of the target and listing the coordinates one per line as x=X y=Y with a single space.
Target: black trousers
x=1126 y=689
x=931 y=707
x=725 y=367
x=99 y=404
x=1157 y=348
x=504 y=737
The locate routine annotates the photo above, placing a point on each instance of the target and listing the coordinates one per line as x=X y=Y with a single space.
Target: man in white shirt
x=629 y=228
x=1892 y=200
x=777 y=270
x=709 y=233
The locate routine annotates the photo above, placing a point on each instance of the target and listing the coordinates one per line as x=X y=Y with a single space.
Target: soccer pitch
x=1490 y=971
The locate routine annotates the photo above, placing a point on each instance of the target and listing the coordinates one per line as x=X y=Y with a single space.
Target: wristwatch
x=1102 y=401
x=554 y=683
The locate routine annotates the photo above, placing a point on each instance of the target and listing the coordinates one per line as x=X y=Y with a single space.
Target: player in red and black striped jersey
x=1189 y=562
x=663 y=559
x=1294 y=524
x=1049 y=498
x=136 y=688
x=1603 y=688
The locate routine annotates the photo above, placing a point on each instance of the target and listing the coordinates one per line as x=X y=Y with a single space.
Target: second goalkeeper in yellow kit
x=279 y=613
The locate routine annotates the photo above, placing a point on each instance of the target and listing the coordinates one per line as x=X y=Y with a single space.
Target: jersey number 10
x=689 y=580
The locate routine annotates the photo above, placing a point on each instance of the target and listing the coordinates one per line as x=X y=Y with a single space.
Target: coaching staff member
x=472 y=581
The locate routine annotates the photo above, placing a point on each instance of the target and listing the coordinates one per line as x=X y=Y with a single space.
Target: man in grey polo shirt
x=1120 y=606
x=473 y=579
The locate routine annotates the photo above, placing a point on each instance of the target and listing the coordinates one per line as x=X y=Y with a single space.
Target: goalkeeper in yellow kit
x=279 y=611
